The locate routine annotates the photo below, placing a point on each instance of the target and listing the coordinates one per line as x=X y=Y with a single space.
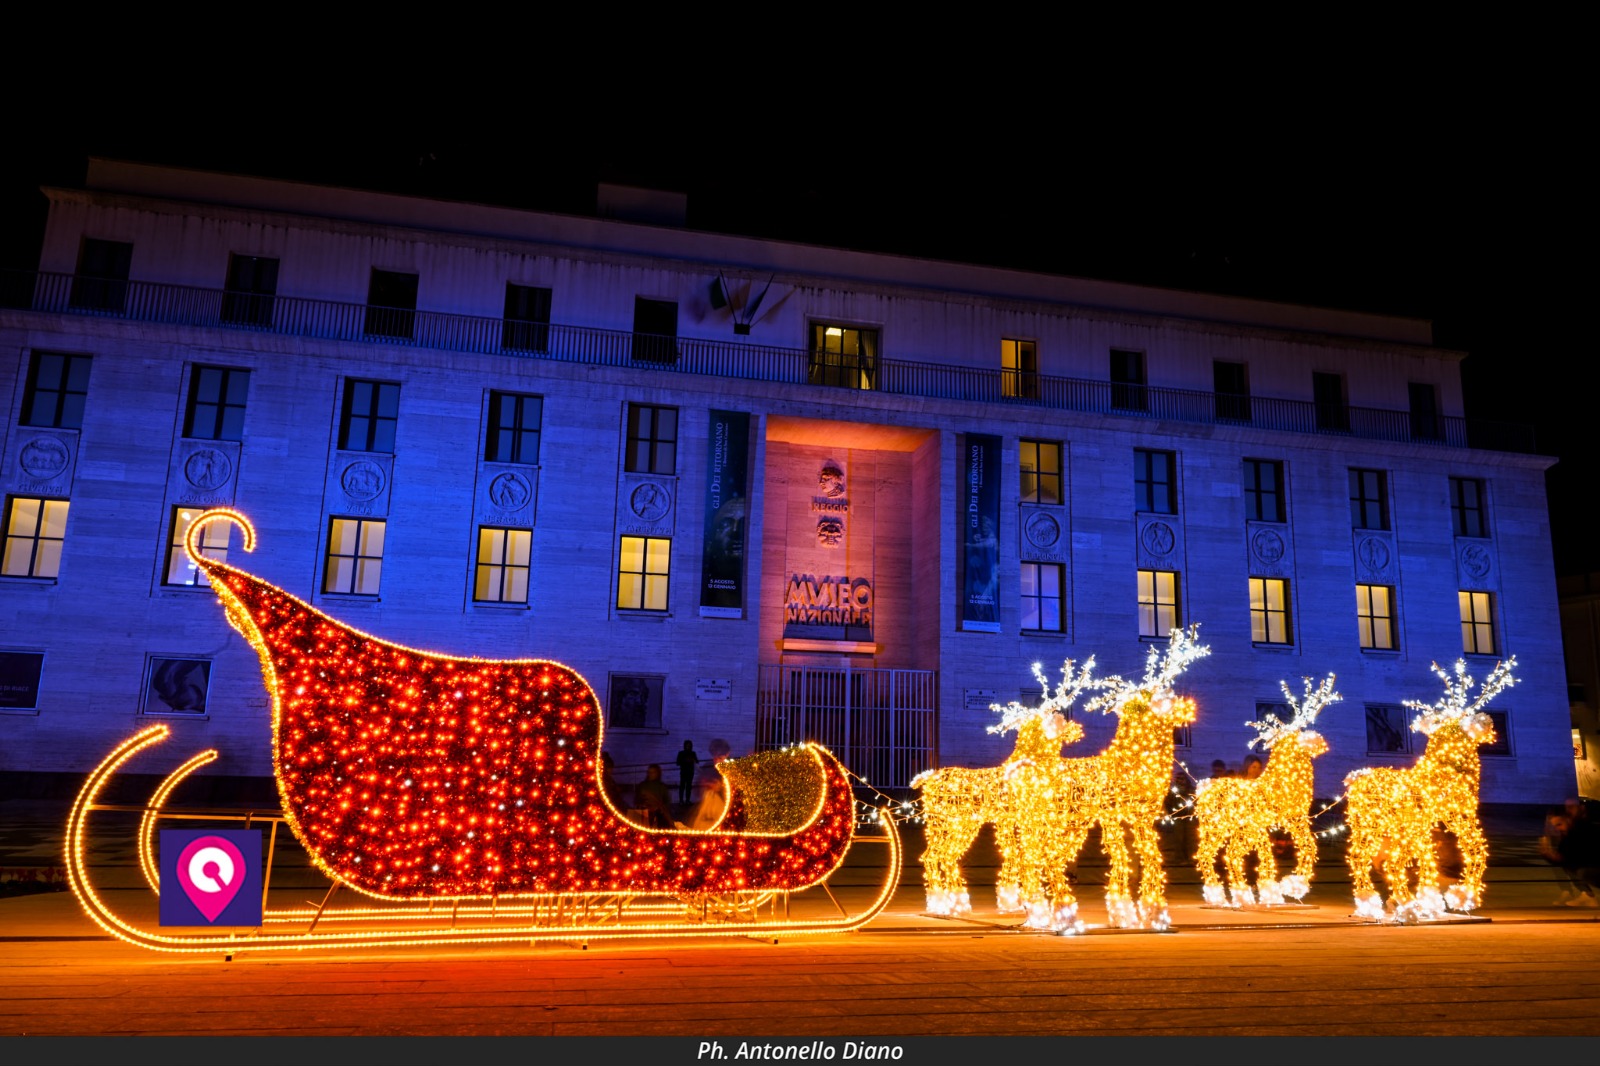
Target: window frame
x=35 y=537
x=518 y=430
x=1461 y=511
x=1040 y=476
x=1041 y=595
x=360 y=560
x=37 y=681
x=61 y=418
x=249 y=295
x=1332 y=412
x=1361 y=503
x=106 y=291
x=506 y=569
x=1368 y=618
x=1265 y=613
x=1019 y=368
x=1233 y=404
x=850 y=370
x=373 y=417
x=652 y=442
x=1475 y=625
x=1392 y=712
x=176 y=556
x=223 y=405
x=526 y=319
x=647 y=578
x=1255 y=496
x=150 y=670
x=1129 y=393
x=397 y=320
x=1145 y=482
x=1153 y=606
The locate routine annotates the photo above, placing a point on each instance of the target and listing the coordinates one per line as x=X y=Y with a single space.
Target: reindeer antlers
x=1271 y=729
x=1071 y=686
x=1453 y=706
x=1161 y=669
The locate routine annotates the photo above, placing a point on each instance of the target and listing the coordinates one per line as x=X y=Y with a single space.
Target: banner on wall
x=980 y=526
x=722 y=556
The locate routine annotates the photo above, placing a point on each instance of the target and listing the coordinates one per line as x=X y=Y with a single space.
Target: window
x=1369 y=499
x=1158 y=603
x=248 y=293
x=371 y=409
x=35 y=531
x=1280 y=711
x=1466 y=507
x=1477 y=623
x=20 y=675
x=355 y=556
x=1263 y=490
x=1425 y=421
x=642 y=573
x=1327 y=395
x=1233 y=391
x=1153 y=481
x=514 y=422
x=391 y=304
x=1501 y=747
x=502 y=565
x=1375 y=616
x=527 y=326
x=1019 y=370
x=843 y=355
x=652 y=439
x=1040 y=461
x=1128 y=381
x=177 y=686
x=655 y=330
x=636 y=700
x=214 y=540
x=1387 y=731
x=216 y=403
x=1041 y=597
x=101 y=283
x=1269 y=610
x=58 y=385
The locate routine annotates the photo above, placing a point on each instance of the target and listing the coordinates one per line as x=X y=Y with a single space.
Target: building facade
x=751 y=490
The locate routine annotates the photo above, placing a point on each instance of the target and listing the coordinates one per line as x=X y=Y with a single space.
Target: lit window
x=1040 y=461
x=1269 y=610
x=1263 y=490
x=1466 y=507
x=652 y=439
x=1153 y=481
x=58 y=385
x=513 y=428
x=213 y=545
x=843 y=355
x=1387 y=730
x=642 y=573
x=1019 y=370
x=1369 y=499
x=1158 y=603
x=1477 y=623
x=1041 y=596
x=1375 y=616
x=216 y=403
x=355 y=556
x=35 y=532
x=371 y=409
x=502 y=565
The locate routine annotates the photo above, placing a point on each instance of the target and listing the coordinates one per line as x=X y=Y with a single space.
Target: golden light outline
x=158 y=800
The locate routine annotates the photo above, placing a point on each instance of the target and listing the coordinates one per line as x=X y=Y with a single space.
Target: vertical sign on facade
x=722 y=557
x=980 y=526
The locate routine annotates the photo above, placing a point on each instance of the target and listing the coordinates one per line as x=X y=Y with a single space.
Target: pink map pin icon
x=211 y=869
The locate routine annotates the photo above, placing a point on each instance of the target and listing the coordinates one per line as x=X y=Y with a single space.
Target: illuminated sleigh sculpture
x=426 y=780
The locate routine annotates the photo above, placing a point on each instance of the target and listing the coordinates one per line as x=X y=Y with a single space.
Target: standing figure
x=687 y=761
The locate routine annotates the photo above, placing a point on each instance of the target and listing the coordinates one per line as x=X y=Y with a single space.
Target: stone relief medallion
x=830 y=532
x=207 y=469
x=1267 y=545
x=43 y=458
x=510 y=492
x=830 y=480
x=649 y=502
x=1373 y=554
x=1042 y=530
x=1475 y=560
x=1158 y=538
x=362 y=480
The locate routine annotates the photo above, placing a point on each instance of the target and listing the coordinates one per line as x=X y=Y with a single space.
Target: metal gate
x=882 y=723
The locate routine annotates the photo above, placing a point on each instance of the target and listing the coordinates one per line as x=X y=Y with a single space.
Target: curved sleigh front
x=408 y=774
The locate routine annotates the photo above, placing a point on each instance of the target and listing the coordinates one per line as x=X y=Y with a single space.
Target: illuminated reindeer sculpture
x=1236 y=815
x=1393 y=813
x=957 y=801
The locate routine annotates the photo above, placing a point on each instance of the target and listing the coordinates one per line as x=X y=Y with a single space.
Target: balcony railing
x=144 y=301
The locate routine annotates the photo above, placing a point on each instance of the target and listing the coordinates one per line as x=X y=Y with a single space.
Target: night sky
x=1461 y=206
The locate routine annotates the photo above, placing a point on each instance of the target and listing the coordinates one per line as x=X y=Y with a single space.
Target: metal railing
x=332 y=320
x=881 y=723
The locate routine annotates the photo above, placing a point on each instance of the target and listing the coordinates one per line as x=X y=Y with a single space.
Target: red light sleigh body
x=412 y=776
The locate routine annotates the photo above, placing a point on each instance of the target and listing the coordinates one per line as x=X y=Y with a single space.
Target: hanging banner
x=980 y=525
x=722 y=557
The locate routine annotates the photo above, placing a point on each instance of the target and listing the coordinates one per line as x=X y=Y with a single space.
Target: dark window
x=652 y=439
x=1467 y=517
x=1263 y=490
x=1233 y=391
x=216 y=403
x=1477 y=623
x=527 y=326
x=177 y=686
x=1269 y=610
x=844 y=356
x=371 y=409
x=1019 y=370
x=58 y=384
x=36 y=530
x=1280 y=711
x=1153 y=488
x=514 y=422
x=355 y=556
x=1425 y=421
x=1387 y=731
x=214 y=539
x=1128 y=391
x=391 y=304
x=1501 y=745
x=1041 y=596
x=248 y=296
x=1040 y=461
x=1375 y=616
x=1369 y=499
x=1327 y=393
x=20 y=675
x=655 y=330
x=101 y=283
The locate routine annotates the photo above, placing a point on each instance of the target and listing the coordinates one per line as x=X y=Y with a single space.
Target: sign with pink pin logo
x=211 y=877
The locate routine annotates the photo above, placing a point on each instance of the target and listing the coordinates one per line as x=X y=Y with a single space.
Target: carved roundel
x=649 y=502
x=1373 y=554
x=1158 y=538
x=207 y=469
x=830 y=532
x=1042 y=530
x=510 y=491
x=362 y=480
x=43 y=458
x=1267 y=545
x=1475 y=560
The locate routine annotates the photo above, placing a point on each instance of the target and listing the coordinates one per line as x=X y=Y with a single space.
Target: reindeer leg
x=1205 y=857
x=1152 y=875
x=1120 y=909
x=1298 y=883
x=1238 y=887
x=1268 y=889
x=1474 y=860
x=1359 y=855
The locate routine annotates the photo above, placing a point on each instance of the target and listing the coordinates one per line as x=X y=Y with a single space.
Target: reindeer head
x=1273 y=731
x=1048 y=722
x=1154 y=694
x=1456 y=710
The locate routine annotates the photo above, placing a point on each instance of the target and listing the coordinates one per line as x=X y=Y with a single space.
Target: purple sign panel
x=211 y=877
